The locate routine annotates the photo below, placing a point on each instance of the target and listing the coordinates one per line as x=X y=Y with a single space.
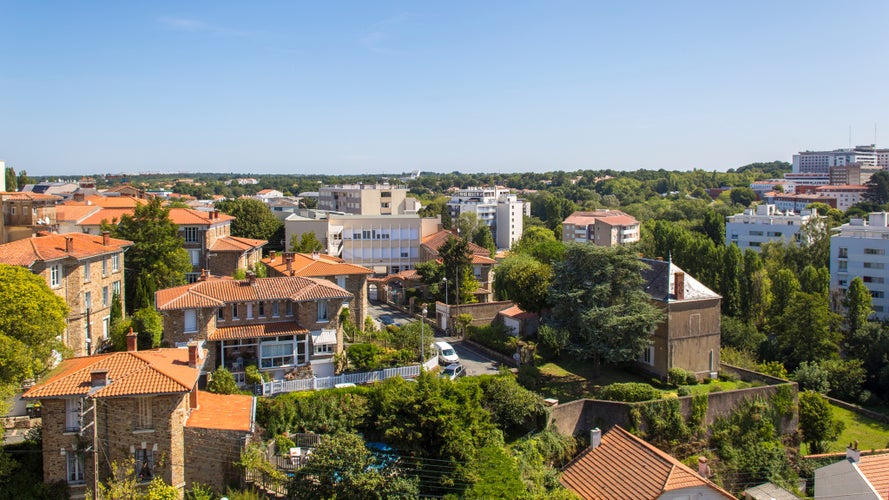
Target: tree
x=457 y=267
x=859 y=306
x=813 y=280
x=464 y=320
x=484 y=238
x=496 y=475
x=308 y=243
x=732 y=269
x=742 y=196
x=714 y=226
x=597 y=295
x=523 y=280
x=816 y=422
x=157 y=254
x=806 y=330
x=31 y=318
x=878 y=188
x=222 y=382
x=11 y=181
x=23 y=179
x=148 y=324
x=253 y=219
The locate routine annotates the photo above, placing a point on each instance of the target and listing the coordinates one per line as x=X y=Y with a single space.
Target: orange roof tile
x=47 y=247
x=624 y=466
x=305 y=265
x=235 y=244
x=130 y=373
x=216 y=292
x=228 y=412
x=876 y=469
x=435 y=240
x=610 y=217
x=74 y=213
x=111 y=215
x=16 y=195
x=113 y=201
x=190 y=217
x=517 y=312
x=258 y=330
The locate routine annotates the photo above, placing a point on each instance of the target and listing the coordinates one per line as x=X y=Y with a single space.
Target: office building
x=821 y=161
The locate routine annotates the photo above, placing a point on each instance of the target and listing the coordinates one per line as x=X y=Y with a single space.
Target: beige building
x=26 y=213
x=386 y=244
x=605 y=228
x=286 y=326
x=143 y=406
x=85 y=270
x=367 y=199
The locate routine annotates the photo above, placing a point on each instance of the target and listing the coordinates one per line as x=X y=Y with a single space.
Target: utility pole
x=94 y=447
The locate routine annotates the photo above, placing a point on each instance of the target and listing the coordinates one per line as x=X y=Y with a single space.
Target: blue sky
x=376 y=86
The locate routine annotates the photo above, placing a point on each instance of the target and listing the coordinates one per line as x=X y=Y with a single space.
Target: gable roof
x=517 y=313
x=130 y=373
x=235 y=244
x=48 y=247
x=307 y=265
x=218 y=292
x=191 y=217
x=27 y=195
x=659 y=280
x=624 y=466
x=106 y=214
x=875 y=468
x=74 y=213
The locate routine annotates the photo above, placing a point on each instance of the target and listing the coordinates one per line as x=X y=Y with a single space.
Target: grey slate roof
x=659 y=282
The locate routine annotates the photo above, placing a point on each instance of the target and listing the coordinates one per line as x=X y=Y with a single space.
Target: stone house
x=141 y=407
x=482 y=263
x=23 y=214
x=85 y=270
x=689 y=337
x=286 y=326
x=351 y=277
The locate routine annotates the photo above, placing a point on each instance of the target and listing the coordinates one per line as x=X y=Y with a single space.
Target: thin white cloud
x=196 y=26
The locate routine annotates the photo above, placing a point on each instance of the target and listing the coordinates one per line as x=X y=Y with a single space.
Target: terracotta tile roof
x=189 y=217
x=435 y=240
x=106 y=214
x=258 y=330
x=626 y=467
x=610 y=217
x=876 y=469
x=15 y=195
x=216 y=292
x=235 y=244
x=305 y=265
x=231 y=412
x=517 y=313
x=131 y=373
x=48 y=247
x=113 y=201
x=74 y=213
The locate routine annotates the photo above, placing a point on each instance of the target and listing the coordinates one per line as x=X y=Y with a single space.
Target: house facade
x=143 y=408
x=26 y=213
x=86 y=271
x=286 y=326
x=602 y=227
x=689 y=336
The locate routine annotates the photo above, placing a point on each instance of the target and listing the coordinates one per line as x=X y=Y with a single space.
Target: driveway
x=475 y=361
x=377 y=309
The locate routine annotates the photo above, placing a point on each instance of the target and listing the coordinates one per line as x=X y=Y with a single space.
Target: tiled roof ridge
x=36 y=252
x=149 y=364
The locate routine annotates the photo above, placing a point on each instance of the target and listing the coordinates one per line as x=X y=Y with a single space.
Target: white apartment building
x=846 y=196
x=763 y=224
x=601 y=227
x=387 y=244
x=367 y=199
x=861 y=248
x=821 y=161
x=501 y=211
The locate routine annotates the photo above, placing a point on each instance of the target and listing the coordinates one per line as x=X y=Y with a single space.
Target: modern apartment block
x=861 y=248
x=763 y=224
x=821 y=161
x=387 y=244
x=846 y=195
x=605 y=228
x=502 y=211
x=852 y=174
x=367 y=199
x=85 y=270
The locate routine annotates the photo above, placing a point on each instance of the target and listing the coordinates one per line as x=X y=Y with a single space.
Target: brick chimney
x=704 y=468
x=132 y=341
x=194 y=355
x=272 y=256
x=679 y=285
x=69 y=244
x=251 y=277
x=595 y=438
x=193 y=397
x=99 y=378
x=288 y=259
x=106 y=238
x=204 y=275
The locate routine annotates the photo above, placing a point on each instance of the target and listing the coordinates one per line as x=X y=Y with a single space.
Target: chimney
x=679 y=285
x=194 y=354
x=132 y=341
x=853 y=454
x=106 y=238
x=316 y=255
x=272 y=256
x=99 y=378
x=595 y=438
x=204 y=275
x=288 y=259
x=193 y=398
x=69 y=244
x=704 y=468
x=251 y=277
x=214 y=214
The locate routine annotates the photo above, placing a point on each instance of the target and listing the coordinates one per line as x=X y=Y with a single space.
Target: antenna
x=875 y=135
x=850 y=136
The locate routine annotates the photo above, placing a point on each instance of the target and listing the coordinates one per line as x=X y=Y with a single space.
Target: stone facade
x=211 y=455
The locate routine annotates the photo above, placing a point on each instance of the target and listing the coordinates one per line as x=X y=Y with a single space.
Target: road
x=475 y=362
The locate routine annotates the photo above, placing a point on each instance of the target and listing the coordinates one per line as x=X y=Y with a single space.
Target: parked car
x=386 y=320
x=446 y=353
x=453 y=371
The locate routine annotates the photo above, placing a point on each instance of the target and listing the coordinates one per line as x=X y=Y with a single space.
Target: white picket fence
x=315 y=383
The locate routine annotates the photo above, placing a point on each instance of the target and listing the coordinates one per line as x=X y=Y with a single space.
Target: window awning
x=324 y=337
x=258 y=331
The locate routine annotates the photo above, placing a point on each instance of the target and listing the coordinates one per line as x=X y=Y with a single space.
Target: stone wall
x=210 y=456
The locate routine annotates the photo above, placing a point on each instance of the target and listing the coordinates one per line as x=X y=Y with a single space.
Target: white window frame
x=235 y=316
x=143 y=413
x=87 y=301
x=73 y=421
x=190 y=321
x=249 y=310
x=275 y=309
x=104 y=267
x=106 y=327
x=195 y=255
x=86 y=272
x=55 y=275
x=105 y=297
x=323 y=312
x=341 y=281
x=115 y=289
x=190 y=234
x=115 y=262
x=289 y=309
x=144 y=462
x=74 y=467
x=278 y=359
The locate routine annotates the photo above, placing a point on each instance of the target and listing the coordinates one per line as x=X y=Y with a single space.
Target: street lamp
x=445 y=279
x=422 y=342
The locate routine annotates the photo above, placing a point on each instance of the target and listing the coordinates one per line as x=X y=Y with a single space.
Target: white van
x=446 y=353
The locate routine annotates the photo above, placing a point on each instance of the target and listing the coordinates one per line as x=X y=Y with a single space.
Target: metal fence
x=315 y=383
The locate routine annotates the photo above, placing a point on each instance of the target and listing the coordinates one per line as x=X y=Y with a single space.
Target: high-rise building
x=820 y=161
x=367 y=199
x=502 y=211
x=861 y=248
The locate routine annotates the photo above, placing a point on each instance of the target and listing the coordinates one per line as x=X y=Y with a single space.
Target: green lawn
x=870 y=433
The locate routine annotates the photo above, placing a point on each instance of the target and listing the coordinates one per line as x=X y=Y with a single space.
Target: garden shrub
x=629 y=392
x=363 y=356
x=252 y=375
x=494 y=337
x=283 y=444
x=679 y=376
x=683 y=391
x=529 y=376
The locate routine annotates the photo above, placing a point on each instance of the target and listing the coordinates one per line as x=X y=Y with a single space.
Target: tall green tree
x=253 y=219
x=878 y=188
x=484 y=238
x=784 y=287
x=523 y=280
x=597 y=295
x=742 y=196
x=307 y=243
x=806 y=330
x=714 y=226
x=456 y=260
x=11 y=181
x=859 y=306
x=732 y=271
x=813 y=280
x=817 y=423
x=157 y=253
x=23 y=179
